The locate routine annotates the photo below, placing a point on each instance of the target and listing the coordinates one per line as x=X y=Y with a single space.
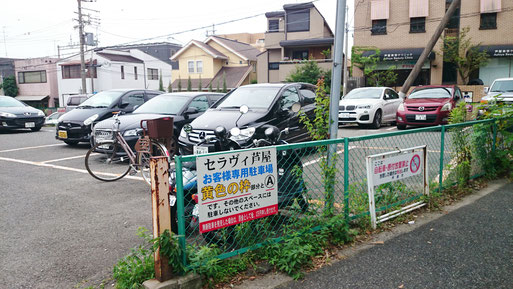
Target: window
x=132 y=99
x=417 y=24
x=122 y=72
x=300 y=54
x=200 y=103
x=274 y=25
x=135 y=72
x=274 y=65
x=190 y=64
x=199 y=67
x=379 y=27
x=298 y=20
x=73 y=71
x=289 y=97
x=488 y=21
x=32 y=76
x=153 y=74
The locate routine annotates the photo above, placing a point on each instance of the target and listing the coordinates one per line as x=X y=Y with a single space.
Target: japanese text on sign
x=236 y=187
x=389 y=169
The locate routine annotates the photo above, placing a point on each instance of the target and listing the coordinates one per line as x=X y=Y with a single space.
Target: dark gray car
x=16 y=114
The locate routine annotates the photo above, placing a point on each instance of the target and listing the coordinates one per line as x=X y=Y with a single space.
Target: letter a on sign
x=269 y=181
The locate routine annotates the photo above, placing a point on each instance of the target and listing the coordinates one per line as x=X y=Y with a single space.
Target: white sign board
x=236 y=187
x=386 y=169
x=394 y=166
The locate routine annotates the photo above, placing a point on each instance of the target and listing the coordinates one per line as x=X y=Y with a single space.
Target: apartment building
x=402 y=28
x=37 y=81
x=296 y=34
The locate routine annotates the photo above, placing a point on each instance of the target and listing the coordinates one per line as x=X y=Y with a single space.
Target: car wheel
x=37 y=128
x=376 y=123
x=71 y=142
x=401 y=126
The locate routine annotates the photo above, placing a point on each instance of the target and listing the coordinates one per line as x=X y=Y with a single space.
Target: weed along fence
x=258 y=197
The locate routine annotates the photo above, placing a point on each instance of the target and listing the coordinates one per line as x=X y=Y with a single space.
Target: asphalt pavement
x=470 y=247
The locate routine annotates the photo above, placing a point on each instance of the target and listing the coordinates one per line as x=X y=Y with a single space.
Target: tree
x=170 y=87
x=368 y=65
x=217 y=89
x=9 y=86
x=224 y=82
x=210 y=87
x=200 y=87
x=466 y=56
x=161 y=85
x=179 y=83
x=310 y=72
x=189 y=84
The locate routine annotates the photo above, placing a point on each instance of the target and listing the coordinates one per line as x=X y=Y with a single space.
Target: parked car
x=53 y=118
x=369 y=106
x=269 y=104
x=502 y=89
x=428 y=105
x=183 y=106
x=75 y=100
x=75 y=126
x=16 y=114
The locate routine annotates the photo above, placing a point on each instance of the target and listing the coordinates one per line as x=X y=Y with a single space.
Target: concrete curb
x=189 y=281
x=279 y=280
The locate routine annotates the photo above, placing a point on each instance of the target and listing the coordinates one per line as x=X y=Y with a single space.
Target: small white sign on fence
x=236 y=187
x=394 y=166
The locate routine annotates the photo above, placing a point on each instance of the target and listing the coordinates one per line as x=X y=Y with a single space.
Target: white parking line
x=40 y=164
x=29 y=148
x=392 y=128
x=63 y=159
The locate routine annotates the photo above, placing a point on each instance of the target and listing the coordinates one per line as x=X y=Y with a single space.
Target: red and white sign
x=236 y=187
x=387 y=169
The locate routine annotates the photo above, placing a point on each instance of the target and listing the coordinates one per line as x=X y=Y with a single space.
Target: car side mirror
x=124 y=105
x=191 y=110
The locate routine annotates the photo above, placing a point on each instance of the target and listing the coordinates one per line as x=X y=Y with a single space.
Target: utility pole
x=5 y=43
x=345 y=75
x=81 y=37
x=416 y=69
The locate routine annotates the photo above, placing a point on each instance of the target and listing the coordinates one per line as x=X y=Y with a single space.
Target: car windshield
x=432 y=92
x=102 y=99
x=8 y=101
x=163 y=104
x=502 y=86
x=366 y=93
x=255 y=97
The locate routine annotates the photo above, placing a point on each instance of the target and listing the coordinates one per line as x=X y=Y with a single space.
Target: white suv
x=501 y=88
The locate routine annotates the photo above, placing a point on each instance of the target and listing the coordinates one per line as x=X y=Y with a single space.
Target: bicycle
x=111 y=158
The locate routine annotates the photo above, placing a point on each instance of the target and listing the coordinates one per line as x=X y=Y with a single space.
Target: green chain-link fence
x=453 y=152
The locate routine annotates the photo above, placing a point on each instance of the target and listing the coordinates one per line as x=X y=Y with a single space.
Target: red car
x=428 y=105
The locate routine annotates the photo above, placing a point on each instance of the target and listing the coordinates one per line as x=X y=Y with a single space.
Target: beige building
x=297 y=33
x=402 y=28
x=254 y=39
x=214 y=61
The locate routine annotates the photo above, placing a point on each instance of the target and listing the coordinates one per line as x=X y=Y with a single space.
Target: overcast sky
x=34 y=28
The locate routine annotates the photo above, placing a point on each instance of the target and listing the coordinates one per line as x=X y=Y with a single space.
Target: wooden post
x=160 y=211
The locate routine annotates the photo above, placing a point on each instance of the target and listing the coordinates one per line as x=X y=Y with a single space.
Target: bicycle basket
x=159 y=128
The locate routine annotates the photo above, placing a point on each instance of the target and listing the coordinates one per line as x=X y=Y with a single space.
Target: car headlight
x=183 y=133
x=243 y=134
x=7 y=114
x=400 y=107
x=365 y=106
x=133 y=132
x=40 y=113
x=446 y=107
x=90 y=119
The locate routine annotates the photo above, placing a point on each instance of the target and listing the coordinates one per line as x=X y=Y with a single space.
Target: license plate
x=172 y=200
x=30 y=124
x=104 y=147
x=420 y=117
x=344 y=115
x=199 y=150
x=63 y=134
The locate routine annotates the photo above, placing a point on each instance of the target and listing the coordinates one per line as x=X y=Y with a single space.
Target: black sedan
x=184 y=107
x=15 y=114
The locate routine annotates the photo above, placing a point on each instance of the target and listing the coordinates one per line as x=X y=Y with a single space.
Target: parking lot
x=60 y=227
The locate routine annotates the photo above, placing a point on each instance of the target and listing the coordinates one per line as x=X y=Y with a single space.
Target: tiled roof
x=211 y=49
x=120 y=58
x=241 y=48
x=234 y=76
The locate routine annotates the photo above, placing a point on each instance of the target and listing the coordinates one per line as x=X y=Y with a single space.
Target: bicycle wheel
x=143 y=159
x=107 y=162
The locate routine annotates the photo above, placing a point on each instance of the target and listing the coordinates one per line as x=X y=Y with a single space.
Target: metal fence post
x=346 y=179
x=494 y=138
x=441 y=173
x=161 y=214
x=179 y=207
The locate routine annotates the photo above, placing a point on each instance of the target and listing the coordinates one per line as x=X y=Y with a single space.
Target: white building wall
x=152 y=62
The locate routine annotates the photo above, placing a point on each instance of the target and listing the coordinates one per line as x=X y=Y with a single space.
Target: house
x=109 y=69
x=296 y=34
x=215 y=61
x=36 y=79
x=254 y=39
x=402 y=28
x=160 y=50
